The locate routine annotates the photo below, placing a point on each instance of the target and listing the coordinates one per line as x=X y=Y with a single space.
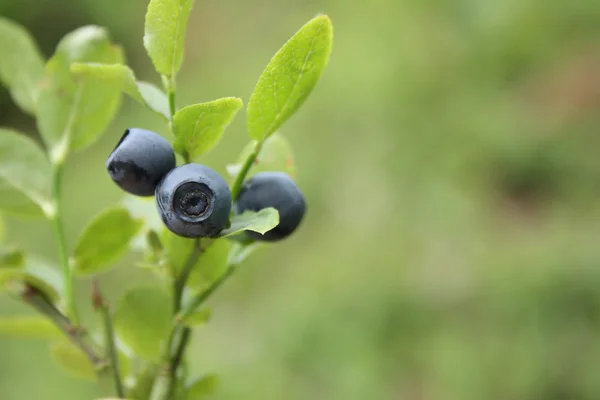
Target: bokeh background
x=450 y=158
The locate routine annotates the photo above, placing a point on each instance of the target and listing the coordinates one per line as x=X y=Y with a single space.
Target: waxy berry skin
x=194 y=201
x=277 y=190
x=139 y=161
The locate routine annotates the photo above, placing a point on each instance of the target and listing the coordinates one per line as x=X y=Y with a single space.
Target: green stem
x=185 y=273
x=41 y=303
x=198 y=300
x=109 y=337
x=241 y=176
x=57 y=226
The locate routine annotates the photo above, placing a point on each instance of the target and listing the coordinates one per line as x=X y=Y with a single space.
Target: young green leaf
x=199 y=127
x=21 y=64
x=289 y=78
x=142 y=320
x=72 y=360
x=197 y=318
x=11 y=257
x=24 y=166
x=164 y=33
x=276 y=155
x=241 y=251
x=145 y=93
x=29 y=327
x=15 y=203
x=203 y=388
x=72 y=113
x=104 y=240
x=261 y=222
x=210 y=266
x=37 y=273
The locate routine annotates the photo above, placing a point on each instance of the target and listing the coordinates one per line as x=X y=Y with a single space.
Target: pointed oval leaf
x=72 y=360
x=199 y=127
x=29 y=327
x=289 y=78
x=145 y=93
x=276 y=155
x=72 y=112
x=241 y=251
x=164 y=33
x=11 y=257
x=197 y=318
x=143 y=319
x=261 y=222
x=37 y=273
x=210 y=266
x=203 y=388
x=14 y=202
x=104 y=240
x=21 y=64
x=25 y=167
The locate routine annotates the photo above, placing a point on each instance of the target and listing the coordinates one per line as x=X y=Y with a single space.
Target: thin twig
x=38 y=301
x=111 y=349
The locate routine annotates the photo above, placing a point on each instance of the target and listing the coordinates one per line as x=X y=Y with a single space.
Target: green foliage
x=35 y=274
x=72 y=360
x=197 y=318
x=289 y=78
x=261 y=222
x=145 y=93
x=101 y=244
x=276 y=154
x=203 y=388
x=29 y=327
x=72 y=113
x=142 y=320
x=24 y=166
x=9 y=256
x=164 y=35
x=199 y=127
x=21 y=65
x=14 y=202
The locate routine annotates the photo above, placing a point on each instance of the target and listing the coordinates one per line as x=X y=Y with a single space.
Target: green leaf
x=199 y=127
x=37 y=273
x=164 y=33
x=145 y=93
x=21 y=64
x=72 y=113
x=72 y=360
x=241 y=251
x=25 y=167
x=210 y=266
x=261 y=222
x=29 y=327
x=289 y=78
x=203 y=388
x=11 y=257
x=142 y=208
x=143 y=319
x=104 y=240
x=2 y=229
x=276 y=155
x=15 y=203
x=197 y=318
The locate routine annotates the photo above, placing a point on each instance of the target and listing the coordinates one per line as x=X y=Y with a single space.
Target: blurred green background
x=450 y=158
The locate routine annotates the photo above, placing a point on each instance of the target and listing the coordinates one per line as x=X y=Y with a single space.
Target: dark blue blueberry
x=139 y=161
x=194 y=201
x=277 y=190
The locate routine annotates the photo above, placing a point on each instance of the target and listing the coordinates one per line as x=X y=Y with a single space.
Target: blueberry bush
x=191 y=227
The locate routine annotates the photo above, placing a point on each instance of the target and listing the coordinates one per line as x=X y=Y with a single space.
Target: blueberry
x=139 y=161
x=277 y=190
x=194 y=201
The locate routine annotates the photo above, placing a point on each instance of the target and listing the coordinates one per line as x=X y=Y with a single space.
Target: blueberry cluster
x=192 y=199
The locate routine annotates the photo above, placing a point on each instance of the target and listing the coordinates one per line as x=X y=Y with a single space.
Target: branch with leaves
x=74 y=95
